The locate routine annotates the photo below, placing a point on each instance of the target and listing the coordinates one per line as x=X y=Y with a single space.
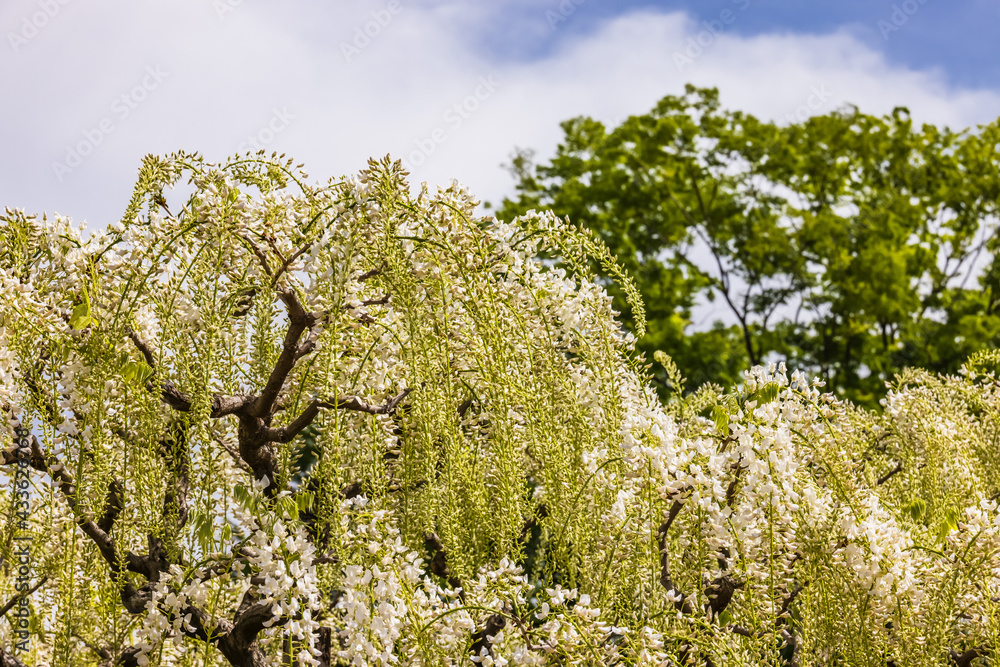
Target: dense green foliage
x=850 y=246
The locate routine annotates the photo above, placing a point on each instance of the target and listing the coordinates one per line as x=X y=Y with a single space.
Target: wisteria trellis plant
x=273 y=422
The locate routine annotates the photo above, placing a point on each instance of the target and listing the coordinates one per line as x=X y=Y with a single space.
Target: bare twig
x=889 y=475
x=369 y=274
x=288 y=262
x=232 y=452
x=261 y=257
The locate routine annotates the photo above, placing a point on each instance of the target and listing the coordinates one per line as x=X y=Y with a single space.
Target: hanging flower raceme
x=265 y=421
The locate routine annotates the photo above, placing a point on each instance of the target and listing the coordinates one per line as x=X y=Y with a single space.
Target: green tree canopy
x=849 y=245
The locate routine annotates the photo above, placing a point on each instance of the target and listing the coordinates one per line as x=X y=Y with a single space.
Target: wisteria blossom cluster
x=279 y=423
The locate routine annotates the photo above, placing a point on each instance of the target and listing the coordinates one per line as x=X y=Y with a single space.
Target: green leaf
x=916 y=509
x=288 y=506
x=948 y=523
x=766 y=394
x=951 y=519
x=721 y=418
x=137 y=371
x=305 y=501
x=81 y=316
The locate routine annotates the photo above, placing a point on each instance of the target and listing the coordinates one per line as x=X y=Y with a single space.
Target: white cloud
x=227 y=77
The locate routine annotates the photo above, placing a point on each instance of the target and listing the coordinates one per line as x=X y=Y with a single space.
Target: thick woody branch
x=222 y=404
x=720 y=593
x=481 y=641
x=144 y=349
x=965 y=659
x=439 y=561
x=113 y=505
x=129 y=657
x=287 y=433
x=681 y=603
x=133 y=599
x=239 y=644
x=7 y=660
x=300 y=320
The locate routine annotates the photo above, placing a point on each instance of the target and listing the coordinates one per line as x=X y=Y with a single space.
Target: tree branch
x=288 y=262
x=438 y=564
x=239 y=644
x=133 y=599
x=287 y=433
x=113 y=506
x=889 y=475
x=17 y=598
x=965 y=659
x=7 y=660
x=144 y=349
x=682 y=604
x=369 y=274
x=299 y=321
x=482 y=641
x=261 y=257
x=222 y=404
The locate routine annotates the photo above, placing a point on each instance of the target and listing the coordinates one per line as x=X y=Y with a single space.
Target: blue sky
x=959 y=36
x=962 y=37
x=450 y=87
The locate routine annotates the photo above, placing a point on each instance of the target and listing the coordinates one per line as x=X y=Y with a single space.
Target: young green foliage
x=345 y=424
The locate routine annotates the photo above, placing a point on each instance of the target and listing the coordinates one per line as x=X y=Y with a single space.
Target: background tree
x=847 y=244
